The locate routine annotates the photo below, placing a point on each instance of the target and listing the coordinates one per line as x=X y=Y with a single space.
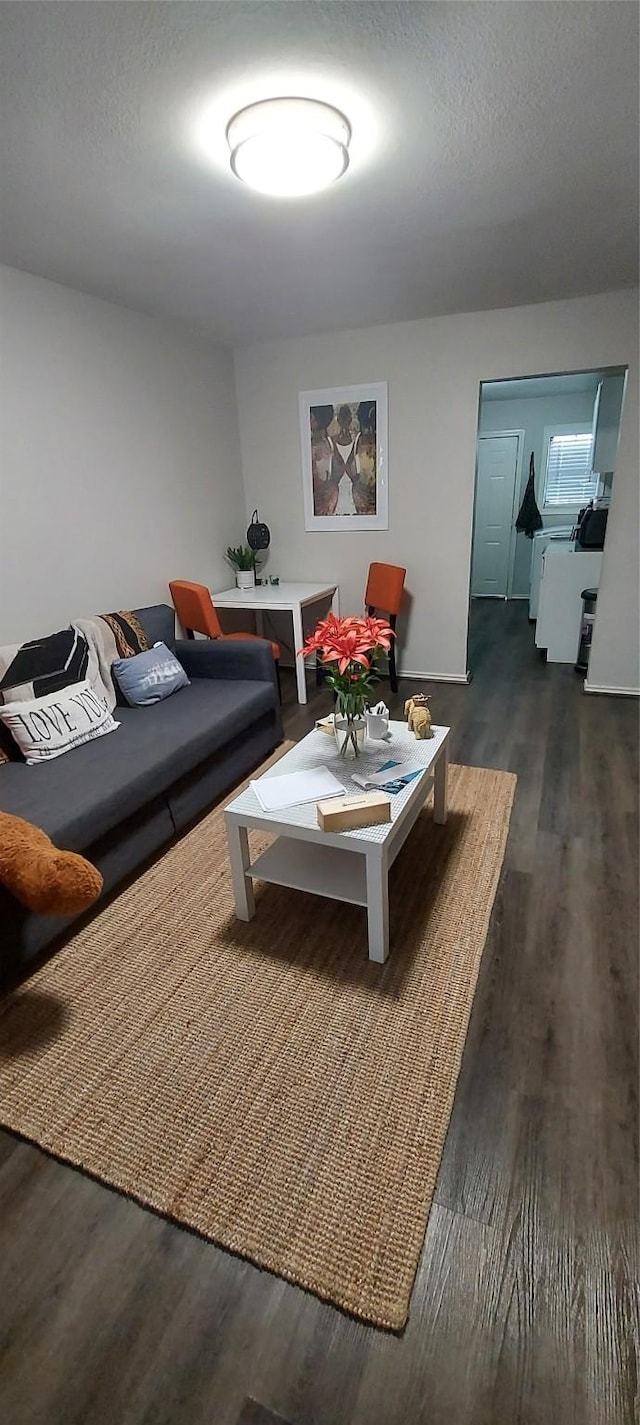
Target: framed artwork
x=343 y=432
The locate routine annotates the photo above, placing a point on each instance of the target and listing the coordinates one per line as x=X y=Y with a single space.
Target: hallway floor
x=525 y=1309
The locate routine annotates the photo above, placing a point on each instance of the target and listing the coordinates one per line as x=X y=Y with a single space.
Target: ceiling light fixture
x=289 y=147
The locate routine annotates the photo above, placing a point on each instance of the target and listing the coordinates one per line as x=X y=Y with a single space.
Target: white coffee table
x=348 y=866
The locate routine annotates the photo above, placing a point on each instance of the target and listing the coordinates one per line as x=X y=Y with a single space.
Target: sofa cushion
x=46 y=728
x=44 y=665
x=77 y=799
x=158 y=622
x=149 y=677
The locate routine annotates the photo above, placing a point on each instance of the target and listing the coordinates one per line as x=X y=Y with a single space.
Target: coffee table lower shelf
x=340 y=875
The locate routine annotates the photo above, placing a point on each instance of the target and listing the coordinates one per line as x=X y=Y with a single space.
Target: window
x=569 y=479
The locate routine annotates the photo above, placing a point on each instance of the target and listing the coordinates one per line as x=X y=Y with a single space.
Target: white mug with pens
x=377 y=720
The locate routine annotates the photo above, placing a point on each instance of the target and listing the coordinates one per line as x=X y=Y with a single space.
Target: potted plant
x=243 y=560
x=348 y=648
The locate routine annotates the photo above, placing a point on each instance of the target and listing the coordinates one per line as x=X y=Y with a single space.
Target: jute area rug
x=265 y=1084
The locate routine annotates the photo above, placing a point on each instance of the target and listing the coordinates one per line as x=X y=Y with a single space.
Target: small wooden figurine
x=416 y=711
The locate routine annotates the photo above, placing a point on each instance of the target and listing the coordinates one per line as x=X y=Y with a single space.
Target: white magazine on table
x=391 y=774
x=295 y=788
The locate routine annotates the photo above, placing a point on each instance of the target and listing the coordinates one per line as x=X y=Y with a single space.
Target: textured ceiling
x=495 y=156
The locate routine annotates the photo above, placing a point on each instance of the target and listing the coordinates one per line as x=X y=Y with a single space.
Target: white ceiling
x=494 y=157
x=530 y=387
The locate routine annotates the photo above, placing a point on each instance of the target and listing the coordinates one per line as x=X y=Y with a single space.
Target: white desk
x=273 y=598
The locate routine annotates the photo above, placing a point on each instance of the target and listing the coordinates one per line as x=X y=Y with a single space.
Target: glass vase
x=350 y=729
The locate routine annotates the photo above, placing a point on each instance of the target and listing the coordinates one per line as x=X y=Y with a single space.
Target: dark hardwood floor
x=525 y=1310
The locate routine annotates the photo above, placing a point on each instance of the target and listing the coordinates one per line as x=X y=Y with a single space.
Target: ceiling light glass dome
x=289 y=147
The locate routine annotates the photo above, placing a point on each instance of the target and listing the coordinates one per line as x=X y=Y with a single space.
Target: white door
x=494 y=514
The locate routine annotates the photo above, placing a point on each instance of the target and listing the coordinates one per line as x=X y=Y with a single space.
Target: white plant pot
x=245 y=578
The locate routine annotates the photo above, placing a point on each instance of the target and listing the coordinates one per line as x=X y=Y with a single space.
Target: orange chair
x=194 y=607
x=384 y=596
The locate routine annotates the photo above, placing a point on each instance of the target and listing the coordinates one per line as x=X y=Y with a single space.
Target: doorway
x=545 y=459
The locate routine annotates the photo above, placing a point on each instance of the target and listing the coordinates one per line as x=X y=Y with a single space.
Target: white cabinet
x=565 y=573
x=607 y=427
x=540 y=542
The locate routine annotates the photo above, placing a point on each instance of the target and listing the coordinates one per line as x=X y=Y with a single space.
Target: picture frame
x=344 y=447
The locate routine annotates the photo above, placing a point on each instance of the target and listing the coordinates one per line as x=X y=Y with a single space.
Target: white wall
x=119 y=457
x=532 y=416
x=434 y=368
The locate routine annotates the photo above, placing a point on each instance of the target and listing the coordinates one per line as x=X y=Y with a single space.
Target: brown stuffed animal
x=416 y=711
x=46 y=880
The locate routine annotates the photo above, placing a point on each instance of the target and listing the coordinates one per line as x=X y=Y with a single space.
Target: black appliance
x=591 y=528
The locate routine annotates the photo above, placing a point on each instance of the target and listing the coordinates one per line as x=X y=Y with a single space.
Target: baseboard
x=612 y=692
x=407 y=673
x=435 y=677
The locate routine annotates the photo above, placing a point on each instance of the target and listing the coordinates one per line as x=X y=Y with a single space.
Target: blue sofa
x=119 y=799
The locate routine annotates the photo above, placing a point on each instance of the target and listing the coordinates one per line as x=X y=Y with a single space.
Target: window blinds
x=569 y=478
